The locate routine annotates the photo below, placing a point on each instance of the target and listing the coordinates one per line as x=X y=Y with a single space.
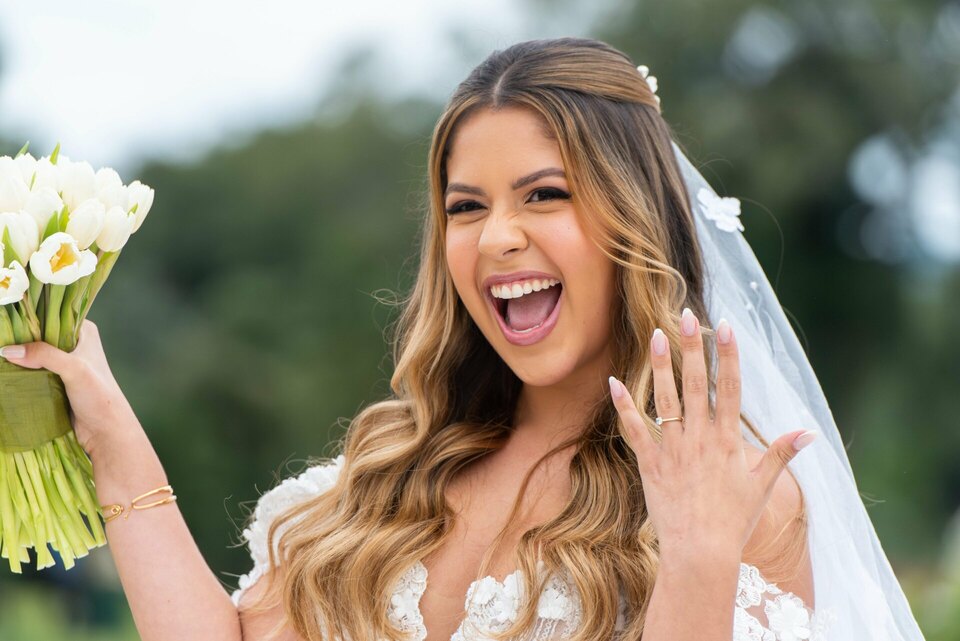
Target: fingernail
x=804 y=439
x=659 y=342
x=616 y=388
x=723 y=331
x=688 y=324
x=13 y=351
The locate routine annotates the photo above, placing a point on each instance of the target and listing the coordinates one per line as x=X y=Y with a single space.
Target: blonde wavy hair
x=454 y=397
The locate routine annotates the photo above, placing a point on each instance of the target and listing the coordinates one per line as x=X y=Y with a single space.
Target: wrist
x=701 y=555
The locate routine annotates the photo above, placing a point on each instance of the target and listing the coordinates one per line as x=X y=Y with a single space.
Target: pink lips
x=534 y=335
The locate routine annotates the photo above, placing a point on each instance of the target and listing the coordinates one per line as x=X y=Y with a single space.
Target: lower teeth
x=528 y=330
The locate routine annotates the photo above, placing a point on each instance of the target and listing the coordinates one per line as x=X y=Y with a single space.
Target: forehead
x=507 y=140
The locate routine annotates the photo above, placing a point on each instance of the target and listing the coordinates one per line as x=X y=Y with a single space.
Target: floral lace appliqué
x=782 y=617
x=723 y=211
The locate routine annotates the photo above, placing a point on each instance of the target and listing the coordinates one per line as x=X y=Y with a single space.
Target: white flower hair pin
x=723 y=211
x=651 y=80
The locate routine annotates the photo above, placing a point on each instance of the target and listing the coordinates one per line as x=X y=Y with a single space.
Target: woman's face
x=502 y=221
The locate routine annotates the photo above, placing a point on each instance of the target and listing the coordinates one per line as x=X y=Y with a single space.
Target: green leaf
x=55 y=154
x=23 y=150
x=8 y=253
x=52 y=224
x=64 y=219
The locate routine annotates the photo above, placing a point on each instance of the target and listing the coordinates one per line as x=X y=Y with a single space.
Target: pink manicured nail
x=804 y=439
x=723 y=331
x=13 y=351
x=616 y=388
x=688 y=324
x=659 y=342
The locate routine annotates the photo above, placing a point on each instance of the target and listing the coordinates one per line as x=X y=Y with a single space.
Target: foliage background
x=243 y=324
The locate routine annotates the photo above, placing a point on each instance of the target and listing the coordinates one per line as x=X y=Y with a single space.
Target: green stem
x=24 y=512
x=72 y=502
x=84 y=491
x=7 y=335
x=51 y=332
x=28 y=310
x=20 y=332
x=105 y=264
x=8 y=521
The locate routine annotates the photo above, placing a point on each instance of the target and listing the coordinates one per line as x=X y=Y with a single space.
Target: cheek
x=461 y=262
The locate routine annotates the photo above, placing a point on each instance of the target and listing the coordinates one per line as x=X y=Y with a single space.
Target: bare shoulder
x=259 y=626
x=778 y=544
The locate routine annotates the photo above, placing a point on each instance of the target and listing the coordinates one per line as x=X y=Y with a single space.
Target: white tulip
x=27 y=165
x=58 y=260
x=142 y=196
x=46 y=175
x=13 y=191
x=42 y=204
x=13 y=283
x=78 y=182
x=117 y=227
x=86 y=221
x=8 y=168
x=110 y=189
x=24 y=234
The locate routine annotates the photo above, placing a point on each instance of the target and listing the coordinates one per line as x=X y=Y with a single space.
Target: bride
x=594 y=433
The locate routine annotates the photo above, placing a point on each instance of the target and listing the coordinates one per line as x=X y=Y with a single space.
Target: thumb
x=781 y=452
x=41 y=354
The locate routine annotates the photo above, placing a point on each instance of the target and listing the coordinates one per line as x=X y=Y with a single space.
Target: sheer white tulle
x=762 y=611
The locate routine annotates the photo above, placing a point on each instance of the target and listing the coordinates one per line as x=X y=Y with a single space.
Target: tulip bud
x=86 y=221
x=24 y=235
x=13 y=191
x=142 y=196
x=117 y=227
x=27 y=165
x=42 y=204
x=46 y=175
x=111 y=190
x=78 y=182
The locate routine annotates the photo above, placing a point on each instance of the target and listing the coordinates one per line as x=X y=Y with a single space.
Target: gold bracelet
x=115 y=509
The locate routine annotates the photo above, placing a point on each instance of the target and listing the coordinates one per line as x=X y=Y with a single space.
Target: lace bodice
x=762 y=612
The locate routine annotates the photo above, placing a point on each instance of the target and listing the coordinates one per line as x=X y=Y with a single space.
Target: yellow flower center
x=5 y=282
x=63 y=258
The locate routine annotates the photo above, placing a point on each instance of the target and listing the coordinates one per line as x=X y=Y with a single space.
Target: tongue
x=531 y=309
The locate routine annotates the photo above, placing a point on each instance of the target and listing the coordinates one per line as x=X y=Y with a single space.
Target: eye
x=556 y=193
x=551 y=193
x=456 y=209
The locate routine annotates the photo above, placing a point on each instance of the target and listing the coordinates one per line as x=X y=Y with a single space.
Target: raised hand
x=700 y=493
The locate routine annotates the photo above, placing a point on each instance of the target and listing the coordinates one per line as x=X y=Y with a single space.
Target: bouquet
x=62 y=226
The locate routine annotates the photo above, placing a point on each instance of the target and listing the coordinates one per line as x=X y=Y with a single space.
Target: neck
x=547 y=415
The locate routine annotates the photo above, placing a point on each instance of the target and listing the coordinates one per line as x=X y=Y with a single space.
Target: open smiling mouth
x=529 y=318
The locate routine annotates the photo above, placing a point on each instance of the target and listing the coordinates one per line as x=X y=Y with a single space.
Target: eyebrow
x=520 y=182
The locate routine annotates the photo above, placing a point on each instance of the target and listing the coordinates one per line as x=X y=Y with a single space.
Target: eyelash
x=558 y=193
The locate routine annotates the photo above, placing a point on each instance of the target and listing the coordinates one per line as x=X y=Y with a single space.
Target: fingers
x=665 y=395
x=781 y=452
x=638 y=436
x=41 y=354
x=728 y=378
x=695 y=402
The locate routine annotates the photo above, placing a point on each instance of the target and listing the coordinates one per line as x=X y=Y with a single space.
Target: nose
x=501 y=234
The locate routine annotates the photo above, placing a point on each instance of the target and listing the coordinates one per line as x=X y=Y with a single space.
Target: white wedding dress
x=762 y=612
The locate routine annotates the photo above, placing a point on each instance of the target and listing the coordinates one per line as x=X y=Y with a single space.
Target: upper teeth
x=516 y=290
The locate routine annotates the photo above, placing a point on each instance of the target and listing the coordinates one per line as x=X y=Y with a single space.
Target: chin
x=540 y=371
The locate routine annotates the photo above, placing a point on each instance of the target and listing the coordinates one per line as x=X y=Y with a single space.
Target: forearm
x=693 y=598
x=172 y=593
